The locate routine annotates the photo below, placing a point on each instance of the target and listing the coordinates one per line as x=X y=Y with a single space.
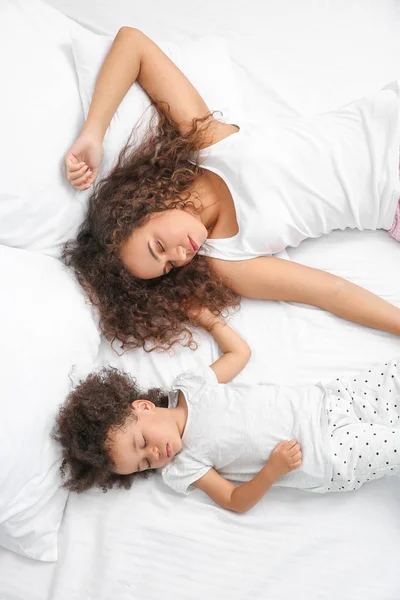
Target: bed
x=147 y=543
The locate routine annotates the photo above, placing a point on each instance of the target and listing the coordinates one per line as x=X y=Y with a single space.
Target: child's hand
x=204 y=318
x=285 y=457
x=83 y=160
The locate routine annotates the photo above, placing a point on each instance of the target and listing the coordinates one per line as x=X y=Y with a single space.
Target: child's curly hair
x=100 y=404
x=156 y=176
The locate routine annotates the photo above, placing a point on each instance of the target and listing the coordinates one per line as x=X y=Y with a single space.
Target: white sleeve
x=183 y=472
x=193 y=382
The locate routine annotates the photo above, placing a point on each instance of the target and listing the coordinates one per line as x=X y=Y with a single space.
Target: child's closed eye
x=145 y=465
x=148 y=464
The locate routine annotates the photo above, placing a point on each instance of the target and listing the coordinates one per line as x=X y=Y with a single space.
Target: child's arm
x=236 y=352
x=285 y=457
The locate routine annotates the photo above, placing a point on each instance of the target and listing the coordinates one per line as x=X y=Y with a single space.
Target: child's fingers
x=297 y=456
x=293 y=453
x=280 y=444
x=294 y=446
x=289 y=444
x=285 y=444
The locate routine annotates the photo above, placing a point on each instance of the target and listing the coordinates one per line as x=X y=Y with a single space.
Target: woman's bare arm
x=271 y=278
x=135 y=57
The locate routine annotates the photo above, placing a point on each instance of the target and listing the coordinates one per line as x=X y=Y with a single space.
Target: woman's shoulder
x=218 y=134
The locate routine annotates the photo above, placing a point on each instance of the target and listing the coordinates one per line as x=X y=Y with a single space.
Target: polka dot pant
x=364 y=426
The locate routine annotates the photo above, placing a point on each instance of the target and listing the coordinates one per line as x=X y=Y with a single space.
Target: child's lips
x=169 y=450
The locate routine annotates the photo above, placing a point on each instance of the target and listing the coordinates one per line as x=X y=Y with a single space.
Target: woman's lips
x=193 y=244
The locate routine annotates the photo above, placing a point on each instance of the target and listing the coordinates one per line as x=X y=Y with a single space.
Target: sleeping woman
x=193 y=215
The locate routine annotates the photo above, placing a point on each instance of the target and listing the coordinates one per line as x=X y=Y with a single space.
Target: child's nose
x=155 y=453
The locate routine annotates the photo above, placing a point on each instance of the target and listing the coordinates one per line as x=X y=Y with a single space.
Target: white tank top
x=308 y=176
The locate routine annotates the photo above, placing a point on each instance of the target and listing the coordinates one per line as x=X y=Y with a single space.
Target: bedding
x=47 y=332
x=41 y=116
x=289 y=59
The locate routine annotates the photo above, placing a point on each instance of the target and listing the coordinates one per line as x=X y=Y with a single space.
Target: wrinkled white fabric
x=234 y=428
x=309 y=176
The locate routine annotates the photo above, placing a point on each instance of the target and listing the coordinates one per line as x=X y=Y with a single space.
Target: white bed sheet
x=149 y=543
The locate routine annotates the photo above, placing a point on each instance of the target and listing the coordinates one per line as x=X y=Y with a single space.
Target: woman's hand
x=285 y=457
x=83 y=160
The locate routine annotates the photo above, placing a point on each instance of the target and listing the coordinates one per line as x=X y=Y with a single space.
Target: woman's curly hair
x=99 y=405
x=153 y=177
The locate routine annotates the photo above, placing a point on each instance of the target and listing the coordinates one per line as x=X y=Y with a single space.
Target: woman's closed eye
x=163 y=252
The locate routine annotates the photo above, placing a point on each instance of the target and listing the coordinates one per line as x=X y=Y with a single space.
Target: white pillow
x=47 y=333
x=41 y=116
x=206 y=62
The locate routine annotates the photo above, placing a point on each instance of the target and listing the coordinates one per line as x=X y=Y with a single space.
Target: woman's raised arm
x=134 y=57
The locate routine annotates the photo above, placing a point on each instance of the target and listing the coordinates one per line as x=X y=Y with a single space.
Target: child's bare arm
x=285 y=457
x=236 y=352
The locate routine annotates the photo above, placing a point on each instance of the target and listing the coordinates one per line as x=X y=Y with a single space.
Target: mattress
x=149 y=543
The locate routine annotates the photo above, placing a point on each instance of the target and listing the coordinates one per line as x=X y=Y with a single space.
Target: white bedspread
x=291 y=57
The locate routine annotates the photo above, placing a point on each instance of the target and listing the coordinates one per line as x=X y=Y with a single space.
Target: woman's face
x=169 y=239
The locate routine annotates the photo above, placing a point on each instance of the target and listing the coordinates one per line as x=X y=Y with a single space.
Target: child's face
x=150 y=442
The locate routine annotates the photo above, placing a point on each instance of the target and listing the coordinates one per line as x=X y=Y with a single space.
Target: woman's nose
x=178 y=255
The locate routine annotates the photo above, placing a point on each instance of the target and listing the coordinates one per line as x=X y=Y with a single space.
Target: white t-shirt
x=308 y=176
x=234 y=428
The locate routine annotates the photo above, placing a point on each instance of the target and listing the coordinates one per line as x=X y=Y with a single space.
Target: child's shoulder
x=194 y=381
x=198 y=376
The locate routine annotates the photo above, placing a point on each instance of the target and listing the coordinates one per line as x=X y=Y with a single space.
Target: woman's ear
x=143 y=405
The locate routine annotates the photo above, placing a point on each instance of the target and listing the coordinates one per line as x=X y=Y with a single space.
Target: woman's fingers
x=77 y=181
x=75 y=176
x=73 y=164
x=72 y=169
x=86 y=184
x=72 y=159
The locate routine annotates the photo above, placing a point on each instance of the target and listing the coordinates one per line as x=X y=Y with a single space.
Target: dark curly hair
x=100 y=404
x=154 y=176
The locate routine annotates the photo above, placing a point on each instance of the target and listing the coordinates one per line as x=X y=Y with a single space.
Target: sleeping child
x=233 y=441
